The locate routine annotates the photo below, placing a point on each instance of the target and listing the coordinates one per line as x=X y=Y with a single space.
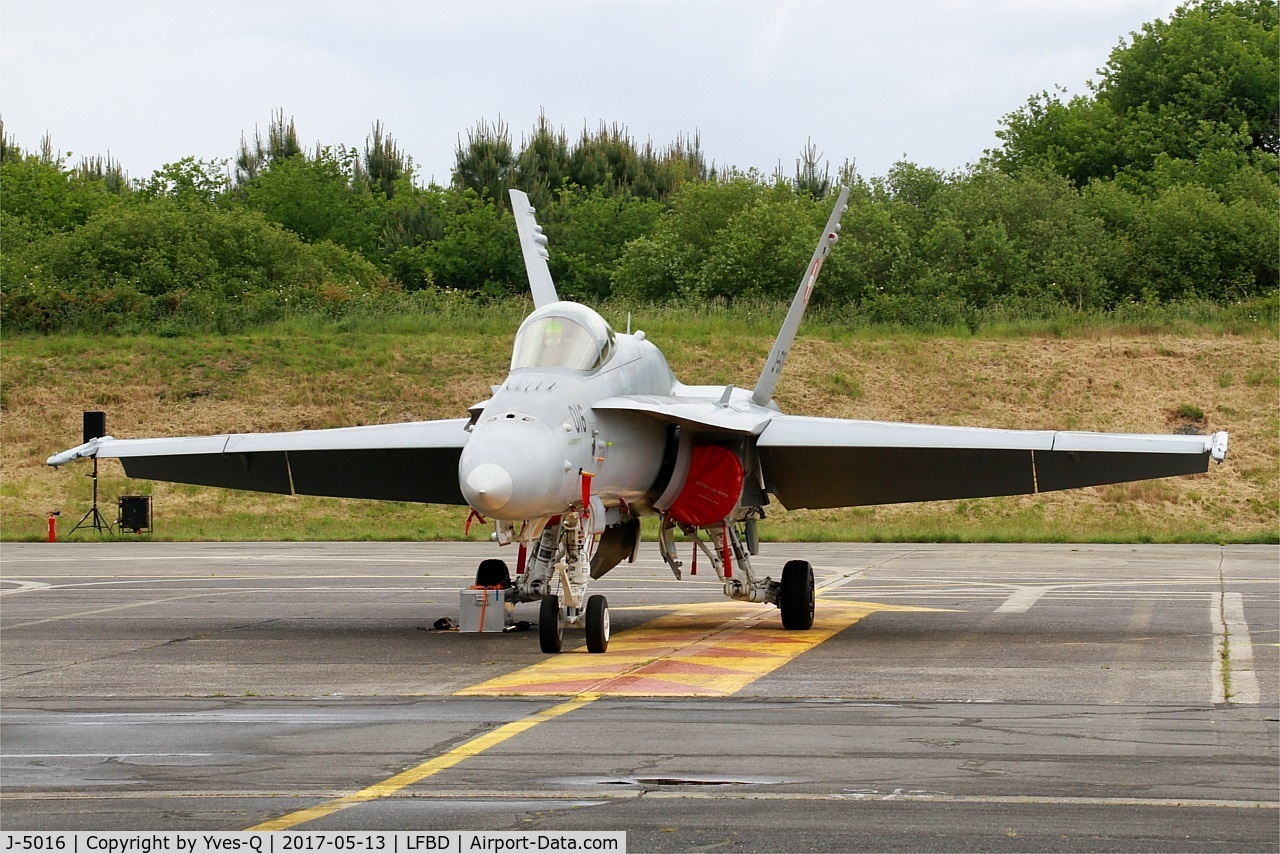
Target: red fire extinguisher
x=53 y=525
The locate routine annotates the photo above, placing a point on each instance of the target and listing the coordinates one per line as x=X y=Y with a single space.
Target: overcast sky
x=875 y=81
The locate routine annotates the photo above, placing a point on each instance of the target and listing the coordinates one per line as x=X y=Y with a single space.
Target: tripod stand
x=98 y=522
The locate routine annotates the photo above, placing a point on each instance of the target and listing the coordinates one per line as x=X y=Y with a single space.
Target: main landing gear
x=730 y=557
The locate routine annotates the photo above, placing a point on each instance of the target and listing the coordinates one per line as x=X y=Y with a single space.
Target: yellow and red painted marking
x=698 y=650
x=710 y=650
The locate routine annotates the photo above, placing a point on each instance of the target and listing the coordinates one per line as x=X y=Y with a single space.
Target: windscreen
x=555 y=341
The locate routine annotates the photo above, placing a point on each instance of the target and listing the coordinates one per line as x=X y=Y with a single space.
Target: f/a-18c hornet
x=591 y=431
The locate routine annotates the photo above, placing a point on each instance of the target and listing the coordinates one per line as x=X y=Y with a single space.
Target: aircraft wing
x=829 y=462
x=415 y=461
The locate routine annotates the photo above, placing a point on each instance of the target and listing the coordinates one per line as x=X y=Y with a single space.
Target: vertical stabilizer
x=533 y=245
x=768 y=381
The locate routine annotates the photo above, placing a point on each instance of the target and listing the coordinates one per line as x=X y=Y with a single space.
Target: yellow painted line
x=391 y=785
x=711 y=650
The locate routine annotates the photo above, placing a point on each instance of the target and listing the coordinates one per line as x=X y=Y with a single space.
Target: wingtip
x=1218 y=446
x=88 y=449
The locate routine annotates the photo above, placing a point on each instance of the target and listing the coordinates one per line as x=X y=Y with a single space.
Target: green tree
x=50 y=198
x=763 y=251
x=106 y=171
x=606 y=159
x=1030 y=237
x=1202 y=81
x=156 y=260
x=543 y=165
x=281 y=144
x=808 y=179
x=665 y=264
x=589 y=235
x=485 y=164
x=610 y=159
x=477 y=250
x=874 y=248
x=415 y=217
x=317 y=199
x=189 y=181
x=384 y=167
x=1188 y=243
x=1212 y=62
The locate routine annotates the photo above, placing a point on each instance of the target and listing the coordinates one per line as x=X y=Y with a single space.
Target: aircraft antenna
x=768 y=381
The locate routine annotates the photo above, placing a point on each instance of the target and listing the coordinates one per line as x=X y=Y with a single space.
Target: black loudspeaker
x=135 y=513
x=95 y=425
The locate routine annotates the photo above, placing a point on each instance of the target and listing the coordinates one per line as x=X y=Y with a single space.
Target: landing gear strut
x=561 y=561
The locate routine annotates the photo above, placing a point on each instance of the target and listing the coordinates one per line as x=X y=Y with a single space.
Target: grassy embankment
x=1085 y=374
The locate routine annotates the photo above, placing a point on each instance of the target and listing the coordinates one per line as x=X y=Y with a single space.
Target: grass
x=1091 y=373
x=454 y=313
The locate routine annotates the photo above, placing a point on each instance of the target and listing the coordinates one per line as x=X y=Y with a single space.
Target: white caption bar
x=326 y=842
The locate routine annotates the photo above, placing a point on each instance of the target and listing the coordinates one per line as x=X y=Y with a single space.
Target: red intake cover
x=712 y=488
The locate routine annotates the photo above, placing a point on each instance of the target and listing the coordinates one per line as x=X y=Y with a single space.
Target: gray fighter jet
x=591 y=431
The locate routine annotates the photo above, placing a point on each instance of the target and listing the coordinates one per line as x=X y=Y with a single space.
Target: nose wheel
x=597 y=624
x=552 y=619
x=551 y=624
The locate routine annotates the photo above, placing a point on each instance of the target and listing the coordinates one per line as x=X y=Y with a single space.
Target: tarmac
x=974 y=697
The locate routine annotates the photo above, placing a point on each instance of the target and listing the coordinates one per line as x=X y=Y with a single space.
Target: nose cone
x=513 y=468
x=489 y=487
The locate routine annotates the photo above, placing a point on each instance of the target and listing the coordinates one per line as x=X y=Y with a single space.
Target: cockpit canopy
x=563 y=335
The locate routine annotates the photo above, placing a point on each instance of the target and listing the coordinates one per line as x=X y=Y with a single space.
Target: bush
x=133 y=265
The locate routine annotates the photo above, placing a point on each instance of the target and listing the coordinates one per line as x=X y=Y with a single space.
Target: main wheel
x=550 y=624
x=493 y=573
x=796 y=598
x=597 y=624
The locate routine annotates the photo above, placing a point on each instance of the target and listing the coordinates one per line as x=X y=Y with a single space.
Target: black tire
x=493 y=573
x=550 y=625
x=597 y=624
x=796 y=598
